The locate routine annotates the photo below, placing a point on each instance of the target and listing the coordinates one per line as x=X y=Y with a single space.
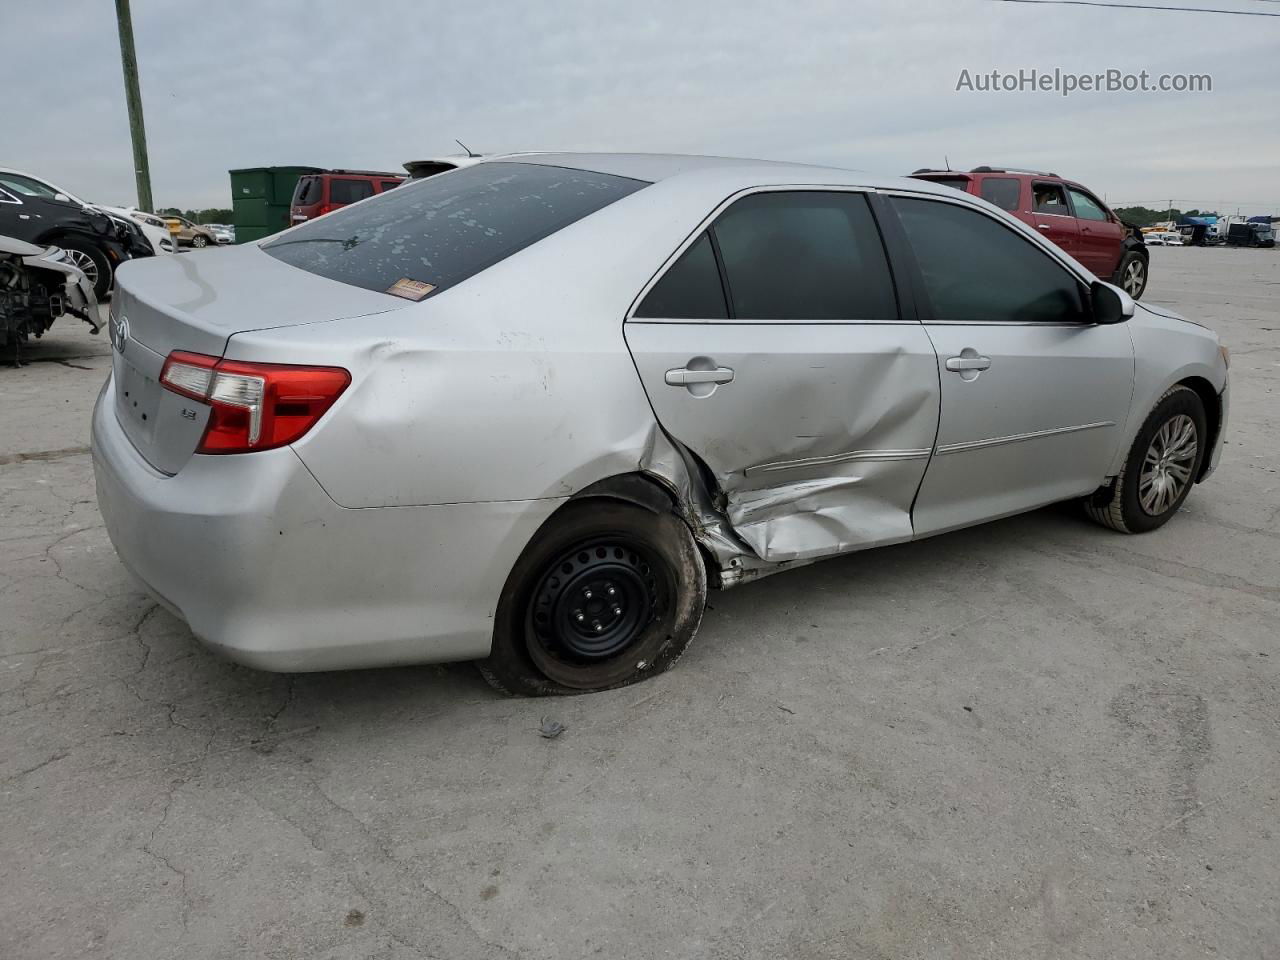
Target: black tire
x=1131 y=276
x=548 y=640
x=102 y=282
x=1120 y=505
x=199 y=240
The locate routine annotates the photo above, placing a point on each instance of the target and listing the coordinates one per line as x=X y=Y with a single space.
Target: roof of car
x=736 y=170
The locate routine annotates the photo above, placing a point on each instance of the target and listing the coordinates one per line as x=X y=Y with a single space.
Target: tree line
x=207 y=215
x=1145 y=216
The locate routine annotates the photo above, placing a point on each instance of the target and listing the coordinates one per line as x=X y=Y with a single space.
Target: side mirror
x=62 y=196
x=1110 y=304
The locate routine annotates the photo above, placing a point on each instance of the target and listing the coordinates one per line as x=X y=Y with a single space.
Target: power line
x=1142 y=6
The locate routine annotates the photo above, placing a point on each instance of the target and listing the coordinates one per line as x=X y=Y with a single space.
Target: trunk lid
x=196 y=302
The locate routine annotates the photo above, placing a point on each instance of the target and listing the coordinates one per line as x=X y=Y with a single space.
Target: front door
x=774 y=350
x=1101 y=236
x=1034 y=395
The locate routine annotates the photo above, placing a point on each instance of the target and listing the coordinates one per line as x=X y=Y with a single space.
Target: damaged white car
x=527 y=412
x=37 y=286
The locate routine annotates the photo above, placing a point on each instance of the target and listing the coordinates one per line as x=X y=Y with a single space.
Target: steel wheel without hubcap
x=1135 y=278
x=593 y=603
x=85 y=264
x=607 y=592
x=1166 y=469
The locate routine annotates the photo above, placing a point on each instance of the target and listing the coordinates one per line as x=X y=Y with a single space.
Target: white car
x=153 y=228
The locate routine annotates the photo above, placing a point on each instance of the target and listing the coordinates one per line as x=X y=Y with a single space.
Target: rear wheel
x=1132 y=274
x=607 y=594
x=1161 y=467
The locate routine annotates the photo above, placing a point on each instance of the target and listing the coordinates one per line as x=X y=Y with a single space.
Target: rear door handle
x=1044 y=226
x=683 y=376
x=960 y=364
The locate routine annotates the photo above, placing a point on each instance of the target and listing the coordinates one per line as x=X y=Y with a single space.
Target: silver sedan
x=529 y=411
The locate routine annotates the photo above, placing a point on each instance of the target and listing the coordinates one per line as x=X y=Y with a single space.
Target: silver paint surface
x=387 y=532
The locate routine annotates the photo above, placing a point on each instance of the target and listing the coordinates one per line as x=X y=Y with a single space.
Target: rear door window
x=349 y=191
x=1050 y=198
x=385 y=185
x=442 y=230
x=804 y=255
x=1002 y=191
x=690 y=290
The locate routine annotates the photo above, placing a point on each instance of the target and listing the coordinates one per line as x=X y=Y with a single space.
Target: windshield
x=431 y=234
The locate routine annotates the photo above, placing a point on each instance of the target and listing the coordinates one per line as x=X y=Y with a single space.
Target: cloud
x=868 y=85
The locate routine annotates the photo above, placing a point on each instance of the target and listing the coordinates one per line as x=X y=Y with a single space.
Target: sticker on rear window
x=410 y=289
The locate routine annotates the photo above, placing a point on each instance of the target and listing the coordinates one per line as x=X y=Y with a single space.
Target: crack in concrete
x=44 y=455
x=39 y=766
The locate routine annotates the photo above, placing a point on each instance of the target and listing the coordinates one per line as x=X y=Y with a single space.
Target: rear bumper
x=267 y=569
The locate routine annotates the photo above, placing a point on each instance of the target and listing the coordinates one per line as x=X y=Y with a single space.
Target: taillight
x=324 y=208
x=253 y=406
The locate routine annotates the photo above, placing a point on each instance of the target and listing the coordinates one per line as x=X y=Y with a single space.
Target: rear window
x=442 y=230
x=307 y=191
x=349 y=191
x=959 y=183
x=1004 y=192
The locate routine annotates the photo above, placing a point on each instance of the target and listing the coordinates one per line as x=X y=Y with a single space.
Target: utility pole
x=133 y=97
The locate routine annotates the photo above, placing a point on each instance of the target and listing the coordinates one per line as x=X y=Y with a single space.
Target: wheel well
x=650 y=493
x=1212 y=413
x=635 y=488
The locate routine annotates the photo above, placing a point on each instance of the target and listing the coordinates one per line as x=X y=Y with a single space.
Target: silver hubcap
x=85 y=264
x=198 y=242
x=1166 y=470
x=1133 y=275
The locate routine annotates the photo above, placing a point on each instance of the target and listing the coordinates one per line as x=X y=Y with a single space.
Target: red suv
x=318 y=193
x=1066 y=213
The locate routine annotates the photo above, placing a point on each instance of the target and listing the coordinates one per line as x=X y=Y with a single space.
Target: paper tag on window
x=410 y=289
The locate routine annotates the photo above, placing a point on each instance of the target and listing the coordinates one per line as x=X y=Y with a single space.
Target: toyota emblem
x=119 y=330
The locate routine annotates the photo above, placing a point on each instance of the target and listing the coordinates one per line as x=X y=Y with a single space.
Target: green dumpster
x=260 y=198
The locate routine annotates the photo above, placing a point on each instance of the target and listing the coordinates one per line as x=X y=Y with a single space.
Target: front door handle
x=683 y=376
x=960 y=364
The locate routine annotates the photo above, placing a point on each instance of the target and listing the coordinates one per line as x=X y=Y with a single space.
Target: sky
x=865 y=85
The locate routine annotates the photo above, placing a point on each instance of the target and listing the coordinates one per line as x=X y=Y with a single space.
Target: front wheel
x=606 y=594
x=1132 y=274
x=91 y=261
x=1160 y=469
x=199 y=241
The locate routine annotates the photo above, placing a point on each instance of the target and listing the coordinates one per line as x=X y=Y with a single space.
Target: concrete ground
x=1036 y=738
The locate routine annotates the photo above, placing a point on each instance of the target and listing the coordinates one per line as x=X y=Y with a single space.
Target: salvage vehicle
x=95 y=242
x=37 y=286
x=529 y=412
x=1066 y=213
x=143 y=233
x=1251 y=234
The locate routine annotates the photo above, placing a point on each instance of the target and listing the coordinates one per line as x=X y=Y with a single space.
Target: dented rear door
x=775 y=349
